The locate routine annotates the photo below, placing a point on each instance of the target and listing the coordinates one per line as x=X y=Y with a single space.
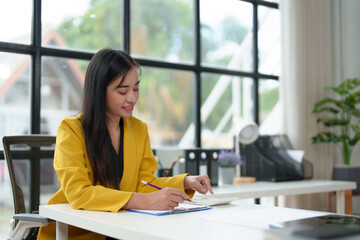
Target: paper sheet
x=212 y=201
x=261 y=218
x=297 y=155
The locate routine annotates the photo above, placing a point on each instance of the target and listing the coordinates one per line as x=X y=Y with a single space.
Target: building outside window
x=204 y=63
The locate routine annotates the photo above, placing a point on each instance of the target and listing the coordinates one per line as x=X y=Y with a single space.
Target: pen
x=159 y=163
x=171 y=166
x=154 y=186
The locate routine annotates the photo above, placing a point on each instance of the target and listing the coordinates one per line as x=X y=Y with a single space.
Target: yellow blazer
x=75 y=174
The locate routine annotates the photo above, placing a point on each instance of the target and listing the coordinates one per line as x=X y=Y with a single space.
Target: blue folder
x=168 y=212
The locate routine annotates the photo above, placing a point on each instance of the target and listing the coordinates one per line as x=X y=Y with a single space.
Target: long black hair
x=105 y=66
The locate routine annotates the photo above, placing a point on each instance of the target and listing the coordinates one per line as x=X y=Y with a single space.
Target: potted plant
x=227 y=162
x=343 y=123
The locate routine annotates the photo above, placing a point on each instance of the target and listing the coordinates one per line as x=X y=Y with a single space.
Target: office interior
x=203 y=67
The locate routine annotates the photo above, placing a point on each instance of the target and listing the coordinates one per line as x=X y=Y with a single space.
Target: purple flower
x=229 y=158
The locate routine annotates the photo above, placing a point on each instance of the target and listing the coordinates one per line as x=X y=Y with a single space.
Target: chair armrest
x=32 y=217
x=25 y=222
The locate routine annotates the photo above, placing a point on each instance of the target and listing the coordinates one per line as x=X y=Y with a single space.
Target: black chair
x=33 y=181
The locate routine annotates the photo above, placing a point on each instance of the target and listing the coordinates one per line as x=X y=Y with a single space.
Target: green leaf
x=356 y=95
x=322 y=102
x=355 y=128
x=346 y=107
x=327 y=109
x=339 y=91
x=349 y=84
x=355 y=139
x=329 y=122
x=351 y=100
x=326 y=137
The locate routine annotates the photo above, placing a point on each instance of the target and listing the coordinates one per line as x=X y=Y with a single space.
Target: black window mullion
x=256 y=62
x=197 y=87
x=60 y=53
x=16 y=48
x=126 y=26
x=36 y=70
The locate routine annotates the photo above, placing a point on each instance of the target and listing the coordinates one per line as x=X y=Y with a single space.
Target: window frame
x=36 y=51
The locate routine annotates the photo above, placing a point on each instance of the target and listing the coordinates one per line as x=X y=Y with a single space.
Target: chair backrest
x=30 y=163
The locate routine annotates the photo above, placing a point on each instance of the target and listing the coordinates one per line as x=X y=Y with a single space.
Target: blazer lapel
x=129 y=179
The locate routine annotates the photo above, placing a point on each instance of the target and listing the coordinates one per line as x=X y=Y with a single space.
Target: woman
x=103 y=153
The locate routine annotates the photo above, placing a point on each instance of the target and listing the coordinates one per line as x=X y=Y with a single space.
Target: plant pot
x=347 y=173
x=226 y=175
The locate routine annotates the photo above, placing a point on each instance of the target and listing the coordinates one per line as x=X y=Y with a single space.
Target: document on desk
x=211 y=200
x=261 y=218
x=182 y=208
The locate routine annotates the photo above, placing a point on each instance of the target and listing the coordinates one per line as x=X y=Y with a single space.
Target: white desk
x=274 y=189
x=194 y=225
x=128 y=225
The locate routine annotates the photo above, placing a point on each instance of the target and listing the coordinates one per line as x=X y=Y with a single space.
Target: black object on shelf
x=191 y=161
x=267 y=160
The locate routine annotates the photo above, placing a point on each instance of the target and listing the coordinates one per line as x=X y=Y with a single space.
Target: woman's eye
x=122 y=93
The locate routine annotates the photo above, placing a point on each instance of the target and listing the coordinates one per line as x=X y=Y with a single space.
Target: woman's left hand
x=199 y=183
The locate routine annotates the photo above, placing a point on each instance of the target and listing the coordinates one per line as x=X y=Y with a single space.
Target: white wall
x=350 y=54
x=349 y=35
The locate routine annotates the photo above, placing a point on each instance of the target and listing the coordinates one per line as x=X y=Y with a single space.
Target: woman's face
x=121 y=98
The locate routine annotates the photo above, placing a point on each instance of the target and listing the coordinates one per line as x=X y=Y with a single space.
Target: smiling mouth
x=129 y=107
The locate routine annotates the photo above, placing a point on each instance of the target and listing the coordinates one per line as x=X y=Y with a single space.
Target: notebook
x=182 y=208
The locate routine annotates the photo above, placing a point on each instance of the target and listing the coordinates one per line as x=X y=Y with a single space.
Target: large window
x=205 y=64
x=201 y=70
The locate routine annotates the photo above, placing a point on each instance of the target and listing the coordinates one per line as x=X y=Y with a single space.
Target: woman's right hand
x=164 y=199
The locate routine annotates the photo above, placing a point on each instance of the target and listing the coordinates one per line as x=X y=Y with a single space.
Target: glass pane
x=22 y=169
x=6 y=199
x=87 y=25
x=14 y=94
x=226 y=34
x=166 y=105
x=15 y=21
x=224 y=99
x=269 y=115
x=269 y=41
x=61 y=90
x=163 y=29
